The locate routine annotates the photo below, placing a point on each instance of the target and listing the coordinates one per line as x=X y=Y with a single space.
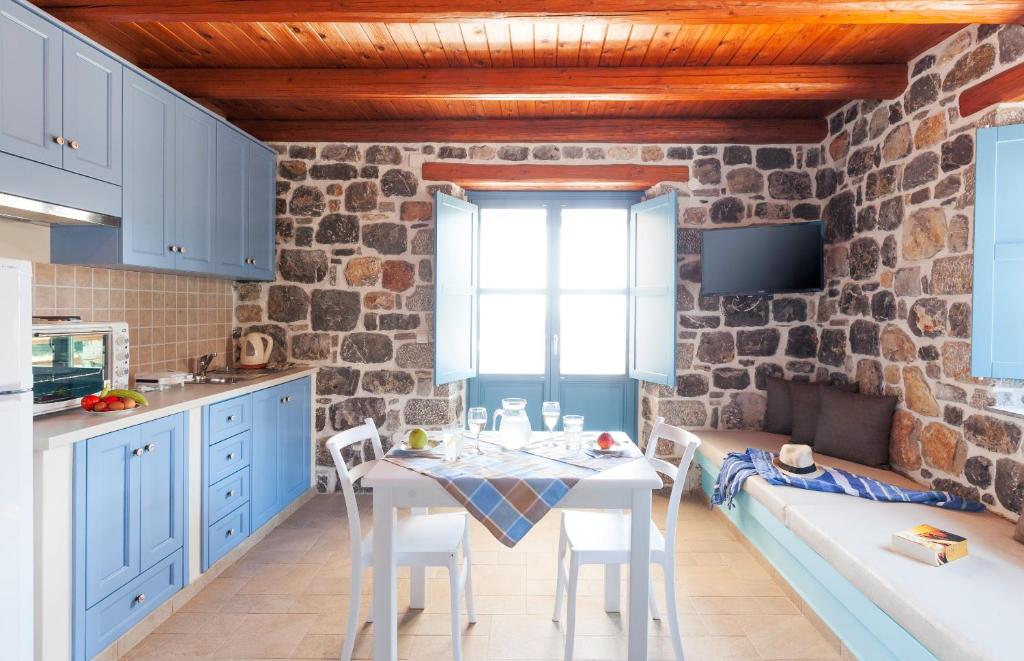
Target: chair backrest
x=348 y=476
x=687 y=442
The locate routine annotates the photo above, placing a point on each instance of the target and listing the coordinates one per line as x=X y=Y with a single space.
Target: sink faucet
x=203 y=363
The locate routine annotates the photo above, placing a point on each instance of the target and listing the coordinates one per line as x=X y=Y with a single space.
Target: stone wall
x=900 y=233
x=354 y=291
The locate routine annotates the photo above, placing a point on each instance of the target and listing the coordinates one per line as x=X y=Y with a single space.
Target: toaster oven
x=72 y=358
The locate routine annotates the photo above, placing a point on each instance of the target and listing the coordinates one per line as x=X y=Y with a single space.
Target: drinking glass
x=550 y=411
x=451 y=437
x=477 y=419
x=572 y=426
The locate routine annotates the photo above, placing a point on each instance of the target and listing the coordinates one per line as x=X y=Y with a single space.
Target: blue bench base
x=863 y=627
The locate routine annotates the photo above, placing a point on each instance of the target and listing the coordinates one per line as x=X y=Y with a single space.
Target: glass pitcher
x=515 y=429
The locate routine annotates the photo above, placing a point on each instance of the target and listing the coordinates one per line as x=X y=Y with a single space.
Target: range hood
x=13 y=207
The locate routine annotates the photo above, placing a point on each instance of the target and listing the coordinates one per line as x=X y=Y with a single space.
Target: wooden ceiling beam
x=1005 y=87
x=636 y=84
x=473 y=176
x=756 y=131
x=633 y=11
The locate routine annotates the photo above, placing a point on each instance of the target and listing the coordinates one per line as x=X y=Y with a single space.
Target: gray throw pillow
x=854 y=427
x=778 y=417
x=804 y=397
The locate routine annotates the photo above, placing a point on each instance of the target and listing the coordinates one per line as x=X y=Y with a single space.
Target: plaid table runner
x=507 y=491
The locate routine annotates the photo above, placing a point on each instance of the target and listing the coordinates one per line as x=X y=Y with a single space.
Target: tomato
x=110 y=399
x=89 y=401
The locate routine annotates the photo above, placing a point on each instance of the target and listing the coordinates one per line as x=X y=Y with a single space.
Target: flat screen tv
x=768 y=259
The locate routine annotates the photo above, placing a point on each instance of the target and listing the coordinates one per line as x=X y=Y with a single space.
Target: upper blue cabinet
x=80 y=128
x=998 y=254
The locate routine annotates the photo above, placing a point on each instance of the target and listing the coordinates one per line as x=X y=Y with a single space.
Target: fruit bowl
x=112 y=402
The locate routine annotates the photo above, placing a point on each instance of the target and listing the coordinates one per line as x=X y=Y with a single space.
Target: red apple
x=605 y=441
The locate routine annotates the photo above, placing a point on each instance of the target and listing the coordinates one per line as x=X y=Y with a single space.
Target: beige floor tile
x=272 y=636
x=786 y=637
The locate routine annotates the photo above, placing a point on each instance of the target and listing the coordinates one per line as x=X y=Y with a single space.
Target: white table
x=626 y=486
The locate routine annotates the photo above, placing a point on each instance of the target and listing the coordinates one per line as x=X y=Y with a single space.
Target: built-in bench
x=834 y=551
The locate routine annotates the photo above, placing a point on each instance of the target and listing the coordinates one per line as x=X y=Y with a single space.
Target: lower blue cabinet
x=129 y=528
x=262 y=468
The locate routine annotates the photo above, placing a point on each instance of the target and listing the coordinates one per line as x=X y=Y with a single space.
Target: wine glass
x=550 y=411
x=476 y=417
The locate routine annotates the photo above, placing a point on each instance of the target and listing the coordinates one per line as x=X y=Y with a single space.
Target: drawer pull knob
x=59 y=139
x=141 y=599
x=230 y=494
x=231 y=455
x=138 y=452
x=182 y=249
x=231 y=531
x=151 y=447
x=74 y=144
x=231 y=418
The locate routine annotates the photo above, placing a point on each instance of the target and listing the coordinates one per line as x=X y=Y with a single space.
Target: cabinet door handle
x=231 y=418
x=231 y=531
x=172 y=248
x=150 y=447
x=138 y=452
x=230 y=494
x=231 y=455
x=59 y=139
x=182 y=249
x=141 y=599
x=73 y=144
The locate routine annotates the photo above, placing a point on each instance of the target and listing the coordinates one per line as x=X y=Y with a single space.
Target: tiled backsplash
x=171 y=318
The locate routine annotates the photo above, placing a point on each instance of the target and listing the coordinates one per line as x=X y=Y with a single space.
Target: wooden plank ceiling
x=352 y=70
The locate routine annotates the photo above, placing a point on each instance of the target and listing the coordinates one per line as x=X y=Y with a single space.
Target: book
x=930 y=544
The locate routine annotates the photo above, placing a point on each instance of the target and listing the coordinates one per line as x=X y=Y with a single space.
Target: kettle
x=254 y=351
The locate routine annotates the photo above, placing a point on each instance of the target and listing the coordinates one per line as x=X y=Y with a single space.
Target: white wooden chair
x=602 y=538
x=422 y=540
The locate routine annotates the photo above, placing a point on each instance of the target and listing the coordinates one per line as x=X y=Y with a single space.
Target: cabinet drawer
x=229 y=418
x=228 y=456
x=228 y=533
x=228 y=494
x=110 y=618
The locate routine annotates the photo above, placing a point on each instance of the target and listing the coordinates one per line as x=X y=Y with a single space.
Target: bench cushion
x=968 y=609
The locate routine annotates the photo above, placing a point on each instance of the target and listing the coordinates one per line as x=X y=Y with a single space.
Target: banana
x=137 y=397
x=104 y=392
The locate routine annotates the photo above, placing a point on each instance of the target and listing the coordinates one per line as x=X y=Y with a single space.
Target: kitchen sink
x=217 y=380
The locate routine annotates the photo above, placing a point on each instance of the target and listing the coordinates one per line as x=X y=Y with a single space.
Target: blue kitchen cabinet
x=148 y=227
x=112 y=506
x=260 y=232
x=269 y=434
x=129 y=528
x=30 y=85
x=265 y=406
x=293 y=441
x=195 y=180
x=232 y=214
x=92 y=86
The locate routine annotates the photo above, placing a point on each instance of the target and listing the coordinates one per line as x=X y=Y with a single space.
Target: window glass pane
x=513 y=248
x=593 y=339
x=512 y=333
x=593 y=248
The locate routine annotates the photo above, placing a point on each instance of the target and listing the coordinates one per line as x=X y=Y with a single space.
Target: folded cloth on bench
x=739 y=466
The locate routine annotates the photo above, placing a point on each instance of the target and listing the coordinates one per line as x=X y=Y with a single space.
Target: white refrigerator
x=16 y=460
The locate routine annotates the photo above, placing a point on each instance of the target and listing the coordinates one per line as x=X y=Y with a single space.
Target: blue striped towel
x=738 y=466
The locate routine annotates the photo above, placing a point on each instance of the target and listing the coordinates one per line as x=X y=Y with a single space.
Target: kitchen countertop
x=61 y=429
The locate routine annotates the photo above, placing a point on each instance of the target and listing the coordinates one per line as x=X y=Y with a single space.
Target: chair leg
x=655 y=613
x=670 y=606
x=560 y=580
x=467 y=560
x=353 y=613
x=570 y=614
x=454 y=575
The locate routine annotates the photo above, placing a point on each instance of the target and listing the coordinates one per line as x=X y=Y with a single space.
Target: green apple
x=417 y=439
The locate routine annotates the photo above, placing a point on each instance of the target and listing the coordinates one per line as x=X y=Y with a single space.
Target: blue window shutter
x=999 y=254
x=652 y=290
x=456 y=251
